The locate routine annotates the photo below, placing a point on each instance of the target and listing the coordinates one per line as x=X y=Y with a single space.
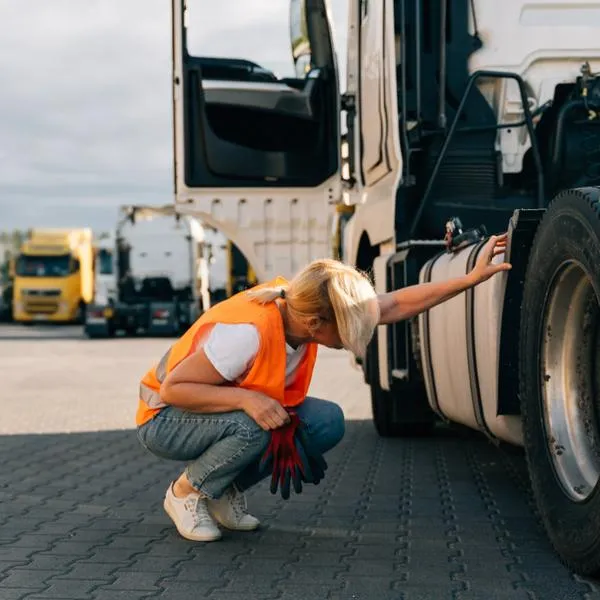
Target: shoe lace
x=238 y=504
x=197 y=507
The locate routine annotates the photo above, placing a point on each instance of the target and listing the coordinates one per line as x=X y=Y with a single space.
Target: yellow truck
x=54 y=276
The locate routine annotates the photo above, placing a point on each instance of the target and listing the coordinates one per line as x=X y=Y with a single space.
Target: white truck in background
x=152 y=274
x=105 y=269
x=463 y=117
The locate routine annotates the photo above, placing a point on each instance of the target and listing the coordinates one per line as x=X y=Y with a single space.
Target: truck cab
x=470 y=118
x=152 y=274
x=54 y=276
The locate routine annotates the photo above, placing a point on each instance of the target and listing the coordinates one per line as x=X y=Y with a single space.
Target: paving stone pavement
x=445 y=517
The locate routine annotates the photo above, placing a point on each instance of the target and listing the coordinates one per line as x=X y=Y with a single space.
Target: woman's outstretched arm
x=415 y=299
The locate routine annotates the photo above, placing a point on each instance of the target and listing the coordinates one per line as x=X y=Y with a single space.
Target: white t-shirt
x=232 y=348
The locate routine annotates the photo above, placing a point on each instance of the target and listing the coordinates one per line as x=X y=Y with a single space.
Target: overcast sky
x=85 y=113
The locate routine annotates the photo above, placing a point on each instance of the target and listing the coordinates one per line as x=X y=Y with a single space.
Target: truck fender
x=521 y=231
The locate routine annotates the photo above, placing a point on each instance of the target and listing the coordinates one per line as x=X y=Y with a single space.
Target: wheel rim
x=569 y=376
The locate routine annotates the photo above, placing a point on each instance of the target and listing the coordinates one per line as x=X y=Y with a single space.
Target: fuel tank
x=459 y=347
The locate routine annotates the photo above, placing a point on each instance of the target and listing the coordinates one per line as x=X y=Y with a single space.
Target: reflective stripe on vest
x=151 y=397
x=147 y=394
x=161 y=369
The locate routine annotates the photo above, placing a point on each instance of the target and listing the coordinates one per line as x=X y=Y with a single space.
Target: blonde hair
x=332 y=291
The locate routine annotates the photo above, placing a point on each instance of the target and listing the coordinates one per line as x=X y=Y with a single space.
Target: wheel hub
x=570 y=373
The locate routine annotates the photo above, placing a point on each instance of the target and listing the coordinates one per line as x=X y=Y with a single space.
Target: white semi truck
x=463 y=118
x=151 y=275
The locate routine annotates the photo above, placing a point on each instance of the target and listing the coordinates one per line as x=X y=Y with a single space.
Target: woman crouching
x=230 y=396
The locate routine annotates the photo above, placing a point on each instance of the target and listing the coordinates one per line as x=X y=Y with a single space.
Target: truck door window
x=254 y=116
x=236 y=29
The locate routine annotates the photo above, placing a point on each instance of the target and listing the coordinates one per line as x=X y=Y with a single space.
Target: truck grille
x=32 y=293
x=40 y=302
x=39 y=308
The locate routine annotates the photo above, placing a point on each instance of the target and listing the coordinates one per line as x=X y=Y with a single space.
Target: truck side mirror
x=299 y=38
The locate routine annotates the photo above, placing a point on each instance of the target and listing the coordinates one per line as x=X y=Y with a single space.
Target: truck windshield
x=43 y=266
x=105 y=262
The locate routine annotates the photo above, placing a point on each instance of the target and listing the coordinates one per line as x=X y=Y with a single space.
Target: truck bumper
x=162 y=318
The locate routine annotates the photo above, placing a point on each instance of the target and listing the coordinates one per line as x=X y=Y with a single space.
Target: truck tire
x=395 y=413
x=93 y=333
x=559 y=379
x=96 y=332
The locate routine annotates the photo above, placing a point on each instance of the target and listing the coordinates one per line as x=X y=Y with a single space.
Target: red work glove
x=286 y=458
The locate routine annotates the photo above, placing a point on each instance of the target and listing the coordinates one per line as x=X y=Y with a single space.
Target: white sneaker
x=230 y=511
x=191 y=517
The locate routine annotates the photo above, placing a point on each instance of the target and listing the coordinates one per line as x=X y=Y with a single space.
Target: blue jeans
x=225 y=448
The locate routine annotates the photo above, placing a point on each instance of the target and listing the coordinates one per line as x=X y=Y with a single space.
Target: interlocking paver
x=50 y=562
x=18 y=594
x=131 y=580
x=104 y=594
x=87 y=570
x=9 y=565
x=33 y=540
x=445 y=517
x=175 y=590
x=28 y=577
x=66 y=589
x=16 y=553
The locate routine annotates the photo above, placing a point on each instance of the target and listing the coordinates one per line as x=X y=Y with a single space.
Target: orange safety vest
x=267 y=374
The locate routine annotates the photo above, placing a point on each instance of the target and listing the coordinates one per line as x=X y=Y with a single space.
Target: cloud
x=85 y=105
x=86 y=98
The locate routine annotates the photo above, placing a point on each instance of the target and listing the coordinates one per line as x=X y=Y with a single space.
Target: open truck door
x=258 y=157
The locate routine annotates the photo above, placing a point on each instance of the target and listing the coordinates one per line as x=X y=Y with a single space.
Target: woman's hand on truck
x=484 y=267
